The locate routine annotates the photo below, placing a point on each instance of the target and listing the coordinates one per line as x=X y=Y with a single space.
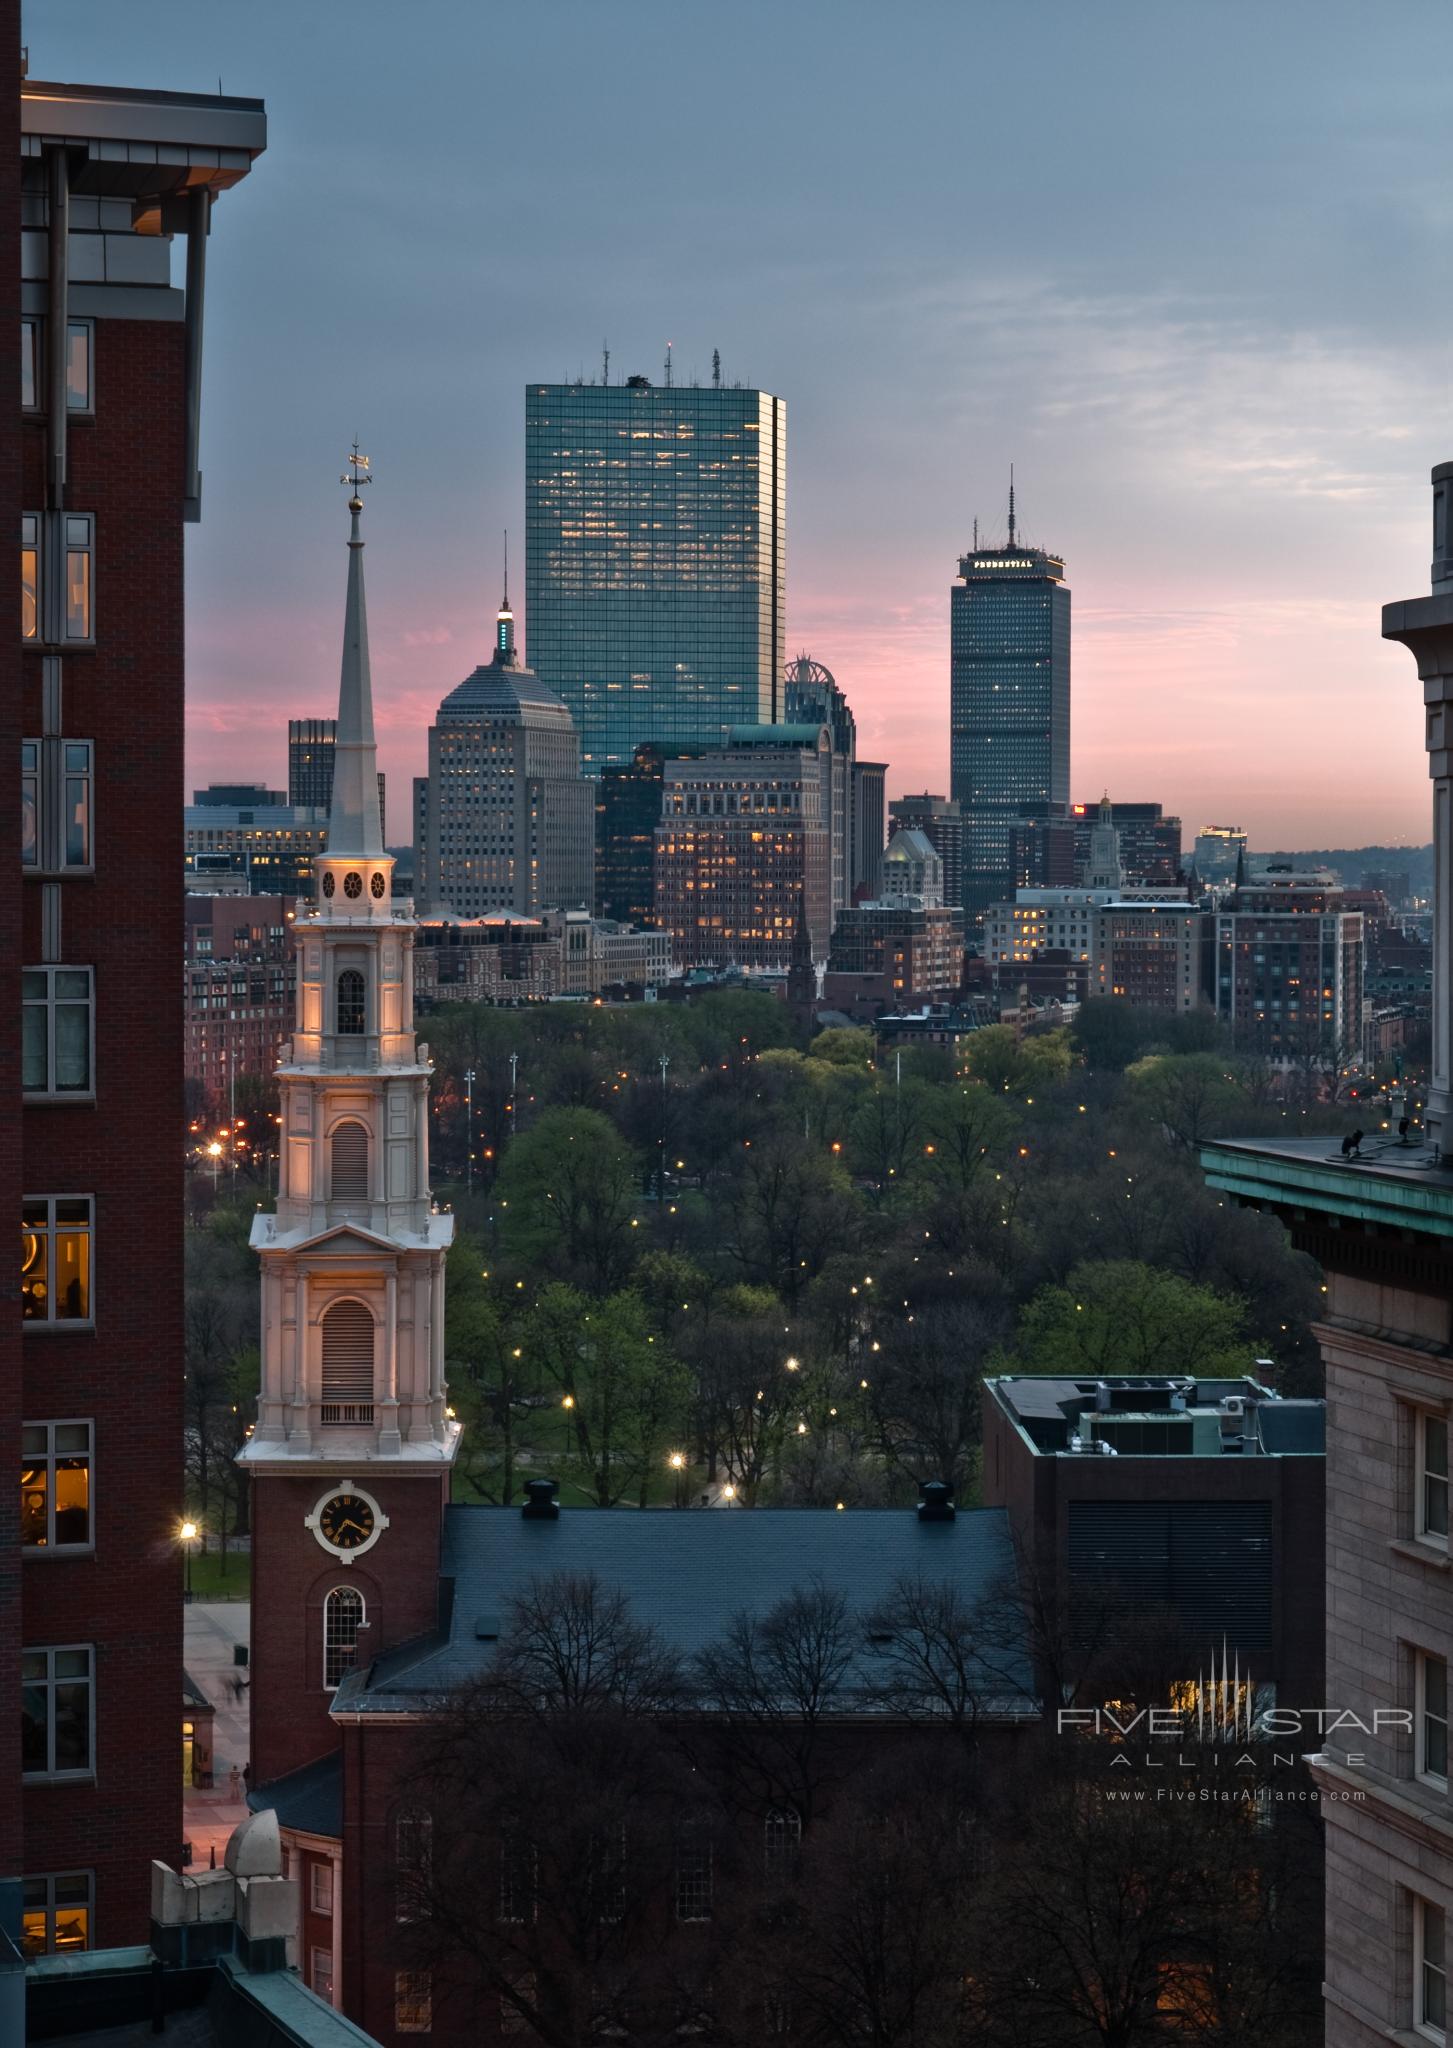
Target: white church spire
x=354 y=826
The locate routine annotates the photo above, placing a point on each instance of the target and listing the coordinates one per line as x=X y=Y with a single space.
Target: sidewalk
x=211 y=1628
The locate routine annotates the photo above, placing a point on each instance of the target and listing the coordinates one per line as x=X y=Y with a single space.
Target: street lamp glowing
x=677 y=1461
x=188 y=1532
x=792 y=1364
x=568 y=1402
x=728 y=1492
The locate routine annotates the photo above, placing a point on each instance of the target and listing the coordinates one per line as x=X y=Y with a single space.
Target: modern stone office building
x=504 y=820
x=1009 y=745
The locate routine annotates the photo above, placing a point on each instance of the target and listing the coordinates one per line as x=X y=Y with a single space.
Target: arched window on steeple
x=349 y=1176
x=342 y=1619
x=347 y=1392
x=350 y=1003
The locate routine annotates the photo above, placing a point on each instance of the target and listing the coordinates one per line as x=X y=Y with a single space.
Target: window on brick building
x=56 y=1914
x=342 y=1619
x=56 y=1031
x=30 y=576
x=56 y=801
x=57 y=1713
x=781 y=1843
x=413 y=2002
x=413 y=1860
x=57 y=577
x=320 y=1888
x=80 y=352
x=1430 y=1971
x=1430 y=1506
x=55 y=1486
x=320 y=1972
x=80 y=349
x=519 y=1868
x=693 y=1872
x=1430 y=1760
x=55 y=1259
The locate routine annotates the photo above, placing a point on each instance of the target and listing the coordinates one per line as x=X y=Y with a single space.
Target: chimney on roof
x=540 y=1502
x=937 y=1502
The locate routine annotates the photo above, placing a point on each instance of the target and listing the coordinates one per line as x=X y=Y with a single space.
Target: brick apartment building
x=896 y=955
x=745 y=837
x=239 y=979
x=100 y=472
x=1287 y=971
x=1209 y=1512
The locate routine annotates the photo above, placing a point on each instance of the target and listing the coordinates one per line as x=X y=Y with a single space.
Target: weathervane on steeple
x=356 y=474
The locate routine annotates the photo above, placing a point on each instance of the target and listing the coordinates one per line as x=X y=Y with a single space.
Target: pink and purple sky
x=1186 y=267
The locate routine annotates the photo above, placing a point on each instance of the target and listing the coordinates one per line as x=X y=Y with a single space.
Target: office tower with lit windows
x=125 y=200
x=311 y=744
x=1009 y=706
x=655 y=560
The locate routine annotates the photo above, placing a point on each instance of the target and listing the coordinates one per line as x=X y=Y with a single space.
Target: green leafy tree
x=1192 y=1096
x=625 y=1393
x=569 y=1197
x=1119 y=1316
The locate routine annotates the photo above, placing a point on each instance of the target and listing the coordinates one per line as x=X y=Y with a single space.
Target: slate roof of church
x=686 y=1574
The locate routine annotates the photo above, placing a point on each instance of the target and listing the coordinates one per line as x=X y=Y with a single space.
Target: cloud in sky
x=1185 y=267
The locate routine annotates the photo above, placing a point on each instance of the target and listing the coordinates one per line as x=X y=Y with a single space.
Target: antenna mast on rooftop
x=668 y=366
x=1011 y=504
x=716 y=369
x=605 y=362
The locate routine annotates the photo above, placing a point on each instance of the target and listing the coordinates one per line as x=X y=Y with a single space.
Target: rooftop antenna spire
x=1011 y=504
x=976 y=536
x=504 y=625
x=716 y=369
x=668 y=366
x=605 y=362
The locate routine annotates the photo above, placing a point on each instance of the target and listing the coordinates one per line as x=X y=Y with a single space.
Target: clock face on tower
x=346 y=1521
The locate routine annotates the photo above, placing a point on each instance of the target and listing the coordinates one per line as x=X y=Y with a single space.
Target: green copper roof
x=1391 y=1185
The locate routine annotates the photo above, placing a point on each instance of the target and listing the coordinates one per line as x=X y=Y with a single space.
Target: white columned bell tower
x=353 y=1259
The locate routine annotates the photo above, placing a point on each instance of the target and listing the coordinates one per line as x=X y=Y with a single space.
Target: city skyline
x=1206 y=334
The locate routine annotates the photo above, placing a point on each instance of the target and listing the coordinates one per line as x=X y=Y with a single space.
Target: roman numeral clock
x=346 y=1521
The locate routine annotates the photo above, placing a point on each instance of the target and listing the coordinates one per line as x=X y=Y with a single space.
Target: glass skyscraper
x=1009 y=750
x=655 y=560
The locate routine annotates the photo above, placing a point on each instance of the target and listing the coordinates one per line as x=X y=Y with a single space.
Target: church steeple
x=354 y=826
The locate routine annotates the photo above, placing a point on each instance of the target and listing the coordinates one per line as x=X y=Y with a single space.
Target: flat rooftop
x=1391 y=1185
x=1158 y=1416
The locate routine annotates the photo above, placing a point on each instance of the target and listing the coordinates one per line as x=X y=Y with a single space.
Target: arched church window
x=347 y=1392
x=342 y=1619
x=350 y=1002
x=350 y=1163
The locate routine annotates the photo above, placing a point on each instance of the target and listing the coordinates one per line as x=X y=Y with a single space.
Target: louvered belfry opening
x=350 y=1163
x=347 y=1364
